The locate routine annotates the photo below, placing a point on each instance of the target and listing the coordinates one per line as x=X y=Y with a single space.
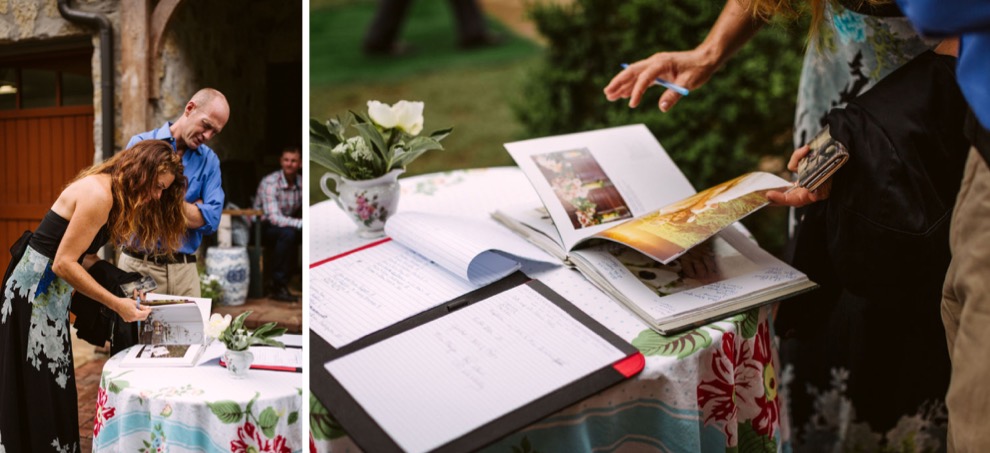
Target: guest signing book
x=466 y=373
x=618 y=209
x=174 y=333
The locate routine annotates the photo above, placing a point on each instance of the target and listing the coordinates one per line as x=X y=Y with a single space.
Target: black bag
x=96 y=323
x=883 y=233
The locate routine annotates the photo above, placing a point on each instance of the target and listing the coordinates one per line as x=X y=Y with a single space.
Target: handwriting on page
x=714 y=292
x=277 y=357
x=432 y=384
x=776 y=274
x=364 y=292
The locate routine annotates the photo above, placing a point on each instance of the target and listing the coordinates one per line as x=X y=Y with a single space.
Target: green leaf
x=238 y=322
x=267 y=342
x=749 y=323
x=267 y=421
x=116 y=386
x=369 y=132
x=525 y=444
x=321 y=133
x=751 y=441
x=293 y=417
x=415 y=148
x=440 y=134
x=227 y=411
x=321 y=423
x=321 y=155
x=681 y=345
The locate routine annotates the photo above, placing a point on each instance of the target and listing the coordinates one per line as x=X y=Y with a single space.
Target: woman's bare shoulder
x=90 y=192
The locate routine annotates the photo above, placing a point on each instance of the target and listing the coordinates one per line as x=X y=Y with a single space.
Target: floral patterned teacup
x=367 y=202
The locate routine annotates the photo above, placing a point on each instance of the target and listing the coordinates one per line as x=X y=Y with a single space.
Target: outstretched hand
x=799 y=196
x=689 y=69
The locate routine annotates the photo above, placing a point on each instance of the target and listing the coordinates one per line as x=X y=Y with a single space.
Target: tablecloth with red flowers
x=197 y=409
x=714 y=388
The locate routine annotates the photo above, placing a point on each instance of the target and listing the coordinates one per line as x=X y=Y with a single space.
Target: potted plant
x=238 y=339
x=365 y=167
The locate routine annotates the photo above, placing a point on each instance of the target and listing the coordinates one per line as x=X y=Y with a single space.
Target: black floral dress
x=38 y=401
x=861 y=372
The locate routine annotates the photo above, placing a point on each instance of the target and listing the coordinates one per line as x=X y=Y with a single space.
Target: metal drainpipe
x=106 y=80
x=106 y=67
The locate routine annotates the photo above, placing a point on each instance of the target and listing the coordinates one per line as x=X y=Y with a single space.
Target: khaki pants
x=174 y=279
x=966 y=311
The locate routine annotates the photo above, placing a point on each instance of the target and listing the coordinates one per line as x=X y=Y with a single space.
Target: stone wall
x=209 y=45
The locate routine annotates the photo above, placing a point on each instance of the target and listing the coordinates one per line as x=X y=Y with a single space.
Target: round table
x=709 y=389
x=197 y=409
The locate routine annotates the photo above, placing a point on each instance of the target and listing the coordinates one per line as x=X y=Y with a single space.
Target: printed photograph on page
x=583 y=189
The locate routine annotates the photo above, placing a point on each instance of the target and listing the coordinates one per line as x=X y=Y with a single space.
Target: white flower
x=405 y=115
x=361 y=151
x=217 y=325
x=342 y=148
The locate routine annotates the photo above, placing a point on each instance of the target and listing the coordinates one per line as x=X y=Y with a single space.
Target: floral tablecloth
x=714 y=388
x=197 y=409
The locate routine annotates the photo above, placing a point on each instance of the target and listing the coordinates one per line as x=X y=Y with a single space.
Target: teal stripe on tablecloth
x=640 y=424
x=177 y=433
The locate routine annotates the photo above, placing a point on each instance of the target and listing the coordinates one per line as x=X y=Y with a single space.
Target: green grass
x=337 y=30
x=471 y=91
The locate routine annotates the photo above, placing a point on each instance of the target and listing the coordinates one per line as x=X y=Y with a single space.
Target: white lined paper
x=470 y=367
x=464 y=246
x=363 y=292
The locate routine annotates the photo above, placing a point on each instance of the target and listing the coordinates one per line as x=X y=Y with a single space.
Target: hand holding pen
x=677 y=71
x=664 y=83
x=131 y=310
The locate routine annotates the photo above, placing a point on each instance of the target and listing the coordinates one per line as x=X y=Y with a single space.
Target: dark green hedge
x=719 y=131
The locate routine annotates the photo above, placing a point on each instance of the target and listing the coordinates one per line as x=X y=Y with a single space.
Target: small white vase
x=238 y=362
x=368 y=202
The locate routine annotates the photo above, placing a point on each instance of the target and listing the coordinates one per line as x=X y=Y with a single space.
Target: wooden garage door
x=44 y=141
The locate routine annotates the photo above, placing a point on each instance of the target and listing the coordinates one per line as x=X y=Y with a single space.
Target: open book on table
x=618 y=209
x=174 y=334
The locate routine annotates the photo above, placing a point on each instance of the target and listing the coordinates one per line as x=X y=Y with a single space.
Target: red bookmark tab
x=363 y=247
x=269 y=367
x=630 y=366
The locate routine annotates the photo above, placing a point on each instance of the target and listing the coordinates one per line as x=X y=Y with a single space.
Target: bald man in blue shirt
x=204 y=117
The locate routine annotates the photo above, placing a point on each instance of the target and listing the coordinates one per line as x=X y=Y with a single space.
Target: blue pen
x=138 y=299
x=673 y=86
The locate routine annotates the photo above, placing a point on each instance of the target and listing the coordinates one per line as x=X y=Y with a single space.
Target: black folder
x=373 y=438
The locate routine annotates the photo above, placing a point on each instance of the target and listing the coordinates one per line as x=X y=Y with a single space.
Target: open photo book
x=618 y=209
x=174 y=335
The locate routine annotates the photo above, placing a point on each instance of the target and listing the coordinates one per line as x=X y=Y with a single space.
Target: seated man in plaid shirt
x=280 y=197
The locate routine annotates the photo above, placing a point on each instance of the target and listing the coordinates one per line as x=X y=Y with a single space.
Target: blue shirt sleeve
x=213 y=196
x=940 y=18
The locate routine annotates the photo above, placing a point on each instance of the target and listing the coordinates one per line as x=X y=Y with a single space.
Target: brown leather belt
x=161 y=260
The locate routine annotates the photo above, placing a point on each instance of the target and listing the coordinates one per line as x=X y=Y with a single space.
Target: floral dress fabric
x=851 y=54
x=38 y=401
x=860 y=376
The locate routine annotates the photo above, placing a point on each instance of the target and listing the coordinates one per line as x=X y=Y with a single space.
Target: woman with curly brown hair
x=134 y=197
